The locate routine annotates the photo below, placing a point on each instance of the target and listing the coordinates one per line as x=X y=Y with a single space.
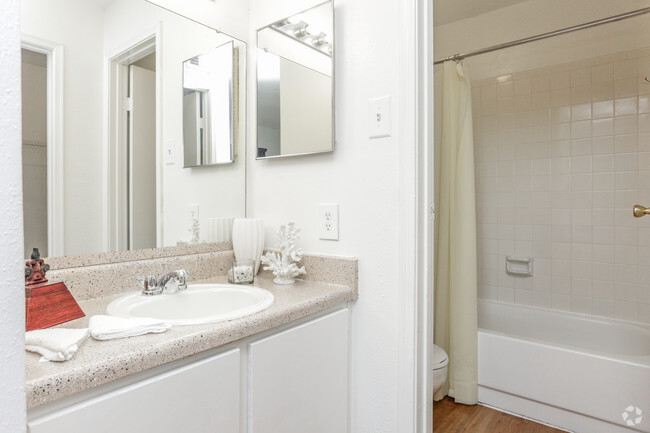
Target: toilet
x=440 y=361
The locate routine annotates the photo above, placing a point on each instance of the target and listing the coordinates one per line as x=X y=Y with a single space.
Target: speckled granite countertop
x=99 y=362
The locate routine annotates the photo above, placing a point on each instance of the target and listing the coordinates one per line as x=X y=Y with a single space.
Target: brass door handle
x=640 y=211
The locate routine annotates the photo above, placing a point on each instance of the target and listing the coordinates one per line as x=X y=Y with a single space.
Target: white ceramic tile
x=523 y=102
x=625 y=161
x=560 y=80
x=581 y=95
x=626 y=143
x=644 y=123
x=505 y=105
x=581 y=129
x=581 y=112
x=603 y=199
x=625 y=106
x=602 y=145
x=522 y=86
x=581 y=147
x=603 y=181
x=602 y=127
x=625 y=69
x=560 y=233
x=602 y=109
x=602 y=163
x=505 y=89
x=602 y=73
x=542 y=300
x=488 y=92
x=625 y=88
x=561 y=114
x=580 y=77
x=626 y=125
x=602 y=254
x=611 y=58
x=603 y=235
x=603 y=272
x=561 y=148
x=540 y=84
x=626 y=180
x=603 y=307
x=561 y=97
x=602 y=91
x=561 y=302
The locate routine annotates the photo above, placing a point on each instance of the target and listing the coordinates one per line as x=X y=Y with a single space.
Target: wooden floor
x=449 y=417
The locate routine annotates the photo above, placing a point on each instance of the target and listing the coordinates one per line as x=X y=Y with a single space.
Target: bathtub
x=579 y=373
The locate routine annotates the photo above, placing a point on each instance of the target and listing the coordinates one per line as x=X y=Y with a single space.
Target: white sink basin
x=200 y=303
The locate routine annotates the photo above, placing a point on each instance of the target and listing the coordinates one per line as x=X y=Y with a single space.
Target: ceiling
x=447 y=11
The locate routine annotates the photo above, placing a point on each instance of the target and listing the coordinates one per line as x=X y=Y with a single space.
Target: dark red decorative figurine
x=35 y=269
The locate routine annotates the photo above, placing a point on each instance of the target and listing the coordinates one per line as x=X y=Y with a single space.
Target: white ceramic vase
x=248 y=239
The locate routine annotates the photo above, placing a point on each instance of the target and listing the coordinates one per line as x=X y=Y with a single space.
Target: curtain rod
x=461 y=56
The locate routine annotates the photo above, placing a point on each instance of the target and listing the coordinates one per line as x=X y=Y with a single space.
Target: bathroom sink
x=200 y=303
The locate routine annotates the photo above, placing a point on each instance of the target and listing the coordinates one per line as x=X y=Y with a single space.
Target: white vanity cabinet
x=200 y=397
x=298 y=378
x=292 y=379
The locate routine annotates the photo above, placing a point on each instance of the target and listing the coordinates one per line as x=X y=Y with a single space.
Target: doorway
x=34 y=148
x=132 y=177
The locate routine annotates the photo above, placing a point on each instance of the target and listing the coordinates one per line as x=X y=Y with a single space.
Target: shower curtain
x=455 y=317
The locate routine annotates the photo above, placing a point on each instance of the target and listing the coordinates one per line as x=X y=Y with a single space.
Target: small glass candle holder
x=241 y=272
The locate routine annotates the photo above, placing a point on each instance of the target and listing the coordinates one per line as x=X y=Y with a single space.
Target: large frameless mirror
x=295 y=84
x=103 y=124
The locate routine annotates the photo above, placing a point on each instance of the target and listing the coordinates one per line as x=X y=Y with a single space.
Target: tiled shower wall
x=562 y=154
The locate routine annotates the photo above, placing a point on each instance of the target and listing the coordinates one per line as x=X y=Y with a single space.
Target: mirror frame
x=333 y=87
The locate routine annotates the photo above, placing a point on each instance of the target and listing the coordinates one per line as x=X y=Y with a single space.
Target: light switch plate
x=169 y=152
x=379 y=116
x=328 y=222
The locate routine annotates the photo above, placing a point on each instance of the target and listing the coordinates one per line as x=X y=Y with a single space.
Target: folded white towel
x=110 y=328
x=59 y=344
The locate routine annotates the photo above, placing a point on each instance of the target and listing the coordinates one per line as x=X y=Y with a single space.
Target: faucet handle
x=183 y=274
x=149 y=285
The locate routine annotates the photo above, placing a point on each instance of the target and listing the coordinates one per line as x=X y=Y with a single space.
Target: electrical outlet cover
x=328 y=222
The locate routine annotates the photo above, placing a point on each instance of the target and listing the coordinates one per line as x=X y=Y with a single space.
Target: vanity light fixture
x=303 y=32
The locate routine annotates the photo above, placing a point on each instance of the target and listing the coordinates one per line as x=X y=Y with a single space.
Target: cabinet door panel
x=298 y=379
x=201 y=397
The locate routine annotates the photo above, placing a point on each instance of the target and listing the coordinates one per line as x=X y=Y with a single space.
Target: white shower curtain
x=456 y=255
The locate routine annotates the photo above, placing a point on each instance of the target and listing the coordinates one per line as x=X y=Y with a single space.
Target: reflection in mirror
x=109 y=150
x=209 y=107
x=295 y=84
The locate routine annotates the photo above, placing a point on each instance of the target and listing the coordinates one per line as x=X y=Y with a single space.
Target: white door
x=142 y=158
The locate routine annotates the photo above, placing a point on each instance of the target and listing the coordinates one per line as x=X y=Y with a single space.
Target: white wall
x=361 y=175
x=62 y=21
x=12 y=297
x=218 y=190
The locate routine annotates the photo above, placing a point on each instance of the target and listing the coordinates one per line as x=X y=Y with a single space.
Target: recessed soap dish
x=519 y=266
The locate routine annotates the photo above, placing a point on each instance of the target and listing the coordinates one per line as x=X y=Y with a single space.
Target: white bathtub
x=575 y=372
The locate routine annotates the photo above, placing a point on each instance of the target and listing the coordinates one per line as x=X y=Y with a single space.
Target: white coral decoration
x=282 y=266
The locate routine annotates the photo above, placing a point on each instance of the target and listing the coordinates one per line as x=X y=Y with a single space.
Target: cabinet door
x=298 y=379
x=201 y=397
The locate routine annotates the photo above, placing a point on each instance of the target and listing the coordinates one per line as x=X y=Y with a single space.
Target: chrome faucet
x=171 y=282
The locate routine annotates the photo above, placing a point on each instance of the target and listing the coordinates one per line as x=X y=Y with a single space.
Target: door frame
x=415 y=400
x=115 y=136
x=55 y=136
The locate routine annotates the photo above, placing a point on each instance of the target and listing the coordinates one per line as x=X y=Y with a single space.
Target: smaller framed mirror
x=295 y=84
x=209 y=107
